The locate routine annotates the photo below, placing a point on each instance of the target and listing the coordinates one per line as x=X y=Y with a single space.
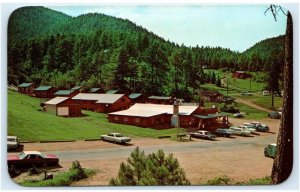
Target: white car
x=115 y=138
x=239 y=131
x=13 y=142
x=246 y=128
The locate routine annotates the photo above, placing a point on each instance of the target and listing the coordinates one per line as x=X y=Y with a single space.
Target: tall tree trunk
x=283 y=162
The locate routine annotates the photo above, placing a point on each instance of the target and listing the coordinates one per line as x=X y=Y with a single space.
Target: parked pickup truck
x=203 y=135
x=115 y=138
x=13 y=142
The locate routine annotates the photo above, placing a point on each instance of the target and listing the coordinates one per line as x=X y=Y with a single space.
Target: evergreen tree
x=153 y=169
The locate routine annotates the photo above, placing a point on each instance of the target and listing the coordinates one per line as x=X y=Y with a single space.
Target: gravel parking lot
x=240 y=158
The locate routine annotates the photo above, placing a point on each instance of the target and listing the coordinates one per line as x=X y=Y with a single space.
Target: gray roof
x=134 y=95
x=25 y=84
x=43 y=88
x=149 y=110
x=76 y=88
x=64 y=92
x=113 y=91
x=98 y=97
x=94 y=89
x=211 y=116
x=56 y=100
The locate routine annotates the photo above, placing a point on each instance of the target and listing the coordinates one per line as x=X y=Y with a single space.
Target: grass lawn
x=251 y=113
x=264 y=101
x=239 y=84
x=27 y=121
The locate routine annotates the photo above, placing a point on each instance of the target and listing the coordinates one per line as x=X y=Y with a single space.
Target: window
x=137 y=120
x=116 y=118
x=125 y=119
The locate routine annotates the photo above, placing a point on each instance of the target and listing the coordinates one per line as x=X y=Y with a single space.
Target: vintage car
x=246 y=128
x=115 y=138
x=260 y=127
x=275 y=115
x=202 y=135
x=238 y=115
x=223 y=132
x=270 y=150
x=13 y=142
x=247 y=93
x=239 y=131
x=32 y=158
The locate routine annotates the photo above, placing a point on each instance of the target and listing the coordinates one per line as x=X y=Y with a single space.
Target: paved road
x=197 y=146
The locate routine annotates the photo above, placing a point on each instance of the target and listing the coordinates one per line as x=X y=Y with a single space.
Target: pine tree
x=153 y=169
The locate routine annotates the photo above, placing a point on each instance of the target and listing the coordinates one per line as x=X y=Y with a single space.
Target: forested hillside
x=95 y=50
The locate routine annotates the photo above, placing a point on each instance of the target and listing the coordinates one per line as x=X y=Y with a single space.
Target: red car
x=32 y=158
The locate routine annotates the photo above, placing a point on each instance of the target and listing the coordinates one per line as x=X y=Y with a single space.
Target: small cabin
x=165 y=100
x=241 y=75
x=44 y=92
x=103 y=103
x=211 y=96
x=26 y=88
x=63 y=106
x=137 y=98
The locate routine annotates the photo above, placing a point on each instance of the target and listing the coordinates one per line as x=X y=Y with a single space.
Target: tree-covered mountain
x=96 y=50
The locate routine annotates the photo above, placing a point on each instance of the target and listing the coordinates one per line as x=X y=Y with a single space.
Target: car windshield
x=119 y=135
x=206 y=133
x=11 y=139
x=22 y=155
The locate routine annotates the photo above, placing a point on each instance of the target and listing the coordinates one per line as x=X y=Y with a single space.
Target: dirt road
x=240 y=158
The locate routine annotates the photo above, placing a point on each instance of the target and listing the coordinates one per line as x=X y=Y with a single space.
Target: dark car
x=203 y=135
x=32 y=158
x=274 y=115
x=223 y=132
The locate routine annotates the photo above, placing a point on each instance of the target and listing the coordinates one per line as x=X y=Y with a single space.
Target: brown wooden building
x=44 y=92
x=103 y=103
x=156 y=115
x=211 y=96
x=241 y=75
x=165 y=100
x=211 y=122
x=137 y=98
x=26 y=88
x=63 y=106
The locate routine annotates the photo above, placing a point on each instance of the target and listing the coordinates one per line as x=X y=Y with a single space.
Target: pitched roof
x=149 y=110
x=25 y=84
x=113 y=91
x=98 y=97
x=94 y=89
x=160 y=97
x=56 y=100
x=134 y=95
x=76 y=88
x=64 y=92
x=211 y=116
x=43 y=88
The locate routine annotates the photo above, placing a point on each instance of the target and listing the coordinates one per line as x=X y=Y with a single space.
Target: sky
x=237 y=27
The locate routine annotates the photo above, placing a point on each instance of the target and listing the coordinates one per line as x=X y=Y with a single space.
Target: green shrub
x=222 y=180
x=75 y=173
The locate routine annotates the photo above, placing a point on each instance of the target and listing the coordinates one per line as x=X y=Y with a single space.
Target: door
x=63 y=111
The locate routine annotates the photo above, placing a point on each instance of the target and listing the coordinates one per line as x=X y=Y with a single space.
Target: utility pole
x=250 y=83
